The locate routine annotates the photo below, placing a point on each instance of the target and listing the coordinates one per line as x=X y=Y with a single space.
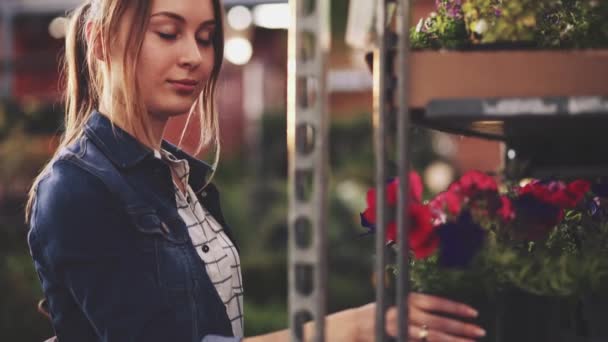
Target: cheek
x=154 y=62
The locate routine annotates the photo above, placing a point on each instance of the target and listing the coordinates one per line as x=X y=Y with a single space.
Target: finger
x=434 y=336
x=445 y=325
x=438 y=304
x=391 y=321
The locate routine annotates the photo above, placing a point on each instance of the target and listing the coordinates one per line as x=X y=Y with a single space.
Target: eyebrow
x=181 y=19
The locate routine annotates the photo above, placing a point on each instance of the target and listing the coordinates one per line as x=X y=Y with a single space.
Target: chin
x=175 y=108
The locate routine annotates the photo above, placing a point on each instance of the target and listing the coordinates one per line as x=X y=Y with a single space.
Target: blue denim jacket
x=113 y=256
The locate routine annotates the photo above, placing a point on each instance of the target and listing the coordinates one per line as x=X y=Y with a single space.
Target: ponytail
x=80 y=99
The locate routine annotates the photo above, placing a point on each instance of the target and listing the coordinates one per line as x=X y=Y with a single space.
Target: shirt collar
x=126 y=152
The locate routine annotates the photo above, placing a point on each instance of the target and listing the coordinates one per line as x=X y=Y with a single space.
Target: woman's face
x=177 y=55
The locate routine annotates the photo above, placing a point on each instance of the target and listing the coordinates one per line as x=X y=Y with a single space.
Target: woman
x=126 y=231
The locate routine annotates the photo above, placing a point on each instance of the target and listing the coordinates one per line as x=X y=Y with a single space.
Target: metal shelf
x=547 y=137
x=518 y=118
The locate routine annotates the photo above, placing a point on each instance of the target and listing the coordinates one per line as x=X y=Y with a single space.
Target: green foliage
x=439 y=31
x=19 y=285
x=527 y=23
x=516 y=21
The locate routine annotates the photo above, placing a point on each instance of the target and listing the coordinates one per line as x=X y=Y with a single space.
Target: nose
x=191 y=56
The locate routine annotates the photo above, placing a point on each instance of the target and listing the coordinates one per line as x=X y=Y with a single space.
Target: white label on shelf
x=587 y=104
x=360 y=23
x=519 y=106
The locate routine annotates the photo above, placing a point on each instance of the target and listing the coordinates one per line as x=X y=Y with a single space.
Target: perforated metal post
x=307 y=135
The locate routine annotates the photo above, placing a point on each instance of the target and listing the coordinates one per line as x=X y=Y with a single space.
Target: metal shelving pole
x=387 y=101
x=307 y=143
x=6 y=50
x=379 y=118
x=403 y=155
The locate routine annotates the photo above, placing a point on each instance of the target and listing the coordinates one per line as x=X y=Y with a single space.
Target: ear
x=97 y=44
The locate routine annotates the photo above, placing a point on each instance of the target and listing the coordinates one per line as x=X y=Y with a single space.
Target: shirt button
x=204 y=193
x=188 y=199
x=205 y=248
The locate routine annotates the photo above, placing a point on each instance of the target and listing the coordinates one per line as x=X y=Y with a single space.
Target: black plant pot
x=485 y=304
x=516 y=316
x=595 y=315
x=526 y=317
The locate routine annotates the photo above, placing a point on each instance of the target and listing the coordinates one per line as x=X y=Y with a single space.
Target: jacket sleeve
x=94 y=291
x=216 y=338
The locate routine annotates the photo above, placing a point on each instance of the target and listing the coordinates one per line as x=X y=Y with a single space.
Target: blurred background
x=253 y=168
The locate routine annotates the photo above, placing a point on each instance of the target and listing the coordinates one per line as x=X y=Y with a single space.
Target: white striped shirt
x=211 y=243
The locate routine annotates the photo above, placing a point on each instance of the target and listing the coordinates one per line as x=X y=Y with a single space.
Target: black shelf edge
x=514 y=118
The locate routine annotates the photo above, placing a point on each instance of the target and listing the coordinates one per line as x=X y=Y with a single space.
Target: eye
x=167 y=36
x=205 y=38
x=204 y=42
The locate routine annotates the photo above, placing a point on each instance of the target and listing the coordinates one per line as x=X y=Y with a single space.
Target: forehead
x=193 y=11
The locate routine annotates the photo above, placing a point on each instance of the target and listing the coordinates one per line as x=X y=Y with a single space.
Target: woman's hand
x=423 y=320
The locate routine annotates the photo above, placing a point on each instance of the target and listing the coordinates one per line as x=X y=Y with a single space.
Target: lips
x=184 y=86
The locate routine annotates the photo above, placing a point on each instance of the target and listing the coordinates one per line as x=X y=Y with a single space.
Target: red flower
x=415 y=187
x=449 y=202
x=392 y=189
x=578 y=189
x=474 y=182
x=423 y=240
x=506 y=212
x=557 y=193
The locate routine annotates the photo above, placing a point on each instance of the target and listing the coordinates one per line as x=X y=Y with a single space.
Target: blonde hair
x=86 y=79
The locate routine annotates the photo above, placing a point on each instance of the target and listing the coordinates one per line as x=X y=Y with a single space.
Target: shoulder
x=67 y=184
x=70 y=181
x=67 y=198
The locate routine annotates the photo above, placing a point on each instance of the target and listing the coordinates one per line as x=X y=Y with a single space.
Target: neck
x=157 y=128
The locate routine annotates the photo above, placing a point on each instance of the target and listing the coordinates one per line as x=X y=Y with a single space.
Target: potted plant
x=515 y=48
x=526 y=255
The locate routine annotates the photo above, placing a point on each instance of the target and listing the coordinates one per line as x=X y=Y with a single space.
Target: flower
x=475 y=189
x=600 y=189
x=460 y=241
x=474 y=182
x=423 y=240
x=535 y=217
x=447 y=203
x=557 y=193
x=506 y=212
x=480 y=27
x=419 y=26
x=452 y=8
x=368 y=216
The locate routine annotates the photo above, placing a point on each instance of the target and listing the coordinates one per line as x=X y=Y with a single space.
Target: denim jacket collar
x=126 y=152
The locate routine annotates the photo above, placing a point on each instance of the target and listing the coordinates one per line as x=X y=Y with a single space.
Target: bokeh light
x=238 y=50
x=239 y=17
x=272 y=16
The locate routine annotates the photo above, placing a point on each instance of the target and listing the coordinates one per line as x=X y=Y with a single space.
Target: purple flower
x=460 y=241
x=593 y=206
x=600 y=189
x=453 y=8
x=366 y=224
x=497 y=12
x=536 y=216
